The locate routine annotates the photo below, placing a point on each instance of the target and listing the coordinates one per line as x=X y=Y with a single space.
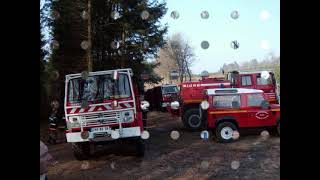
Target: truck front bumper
x=105 y=135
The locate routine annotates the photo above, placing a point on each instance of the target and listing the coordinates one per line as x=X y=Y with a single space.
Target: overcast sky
x=257 y=29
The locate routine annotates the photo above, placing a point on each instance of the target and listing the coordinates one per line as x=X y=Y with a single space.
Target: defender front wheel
x=224 y=132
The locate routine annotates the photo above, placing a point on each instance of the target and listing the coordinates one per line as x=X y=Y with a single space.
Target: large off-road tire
x=191 y=119
x=224 y=132
x=81 y=150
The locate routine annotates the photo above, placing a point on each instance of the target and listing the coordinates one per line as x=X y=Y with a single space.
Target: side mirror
x=115 y=75
x=145 y=105
x=265 y=104
x=175 y=105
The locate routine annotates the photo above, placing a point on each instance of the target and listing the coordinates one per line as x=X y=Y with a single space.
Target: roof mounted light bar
x=224 y=91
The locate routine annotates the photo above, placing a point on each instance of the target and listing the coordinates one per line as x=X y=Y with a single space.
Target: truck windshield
x=169 y=89
x=262 y=81
x=98 y=88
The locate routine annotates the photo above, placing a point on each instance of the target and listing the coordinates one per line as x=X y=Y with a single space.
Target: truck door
x=257 y=117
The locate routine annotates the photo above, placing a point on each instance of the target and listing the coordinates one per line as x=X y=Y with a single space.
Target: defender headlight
x=204 y=105
x=126 y=116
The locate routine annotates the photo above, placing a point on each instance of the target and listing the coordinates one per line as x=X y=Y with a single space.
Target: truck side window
x=225 y=101
x=246 y=81
x=255 y=99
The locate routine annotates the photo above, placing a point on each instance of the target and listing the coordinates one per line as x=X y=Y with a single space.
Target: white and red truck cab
x=103 y=106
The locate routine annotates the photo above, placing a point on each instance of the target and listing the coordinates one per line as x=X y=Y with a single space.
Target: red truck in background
x=192 y=93
x=160 y=97
x=254 y=80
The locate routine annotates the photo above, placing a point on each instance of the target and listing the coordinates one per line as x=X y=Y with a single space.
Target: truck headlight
x=126 y=116
x=73 y=122
x=175 y=105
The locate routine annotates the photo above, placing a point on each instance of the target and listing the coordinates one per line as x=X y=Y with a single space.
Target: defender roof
x=219 y=91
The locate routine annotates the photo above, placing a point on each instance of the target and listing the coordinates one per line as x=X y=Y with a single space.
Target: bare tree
x=180 y=55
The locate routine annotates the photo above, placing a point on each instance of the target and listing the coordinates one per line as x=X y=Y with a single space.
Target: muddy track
x=189 y=157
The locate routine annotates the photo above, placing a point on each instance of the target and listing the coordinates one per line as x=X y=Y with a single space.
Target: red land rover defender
x=229 y=109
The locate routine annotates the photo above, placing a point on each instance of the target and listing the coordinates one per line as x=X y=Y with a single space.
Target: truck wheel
x=224 y=132
x=139 y=148
x=191 y=119
x=81 y=151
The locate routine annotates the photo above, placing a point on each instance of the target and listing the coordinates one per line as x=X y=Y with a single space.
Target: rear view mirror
x=265 y=104
x=145 y=105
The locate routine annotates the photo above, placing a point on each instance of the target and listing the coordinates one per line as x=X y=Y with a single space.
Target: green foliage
x=139 y=38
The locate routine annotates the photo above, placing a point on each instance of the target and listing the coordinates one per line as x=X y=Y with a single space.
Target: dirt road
x=189 y=157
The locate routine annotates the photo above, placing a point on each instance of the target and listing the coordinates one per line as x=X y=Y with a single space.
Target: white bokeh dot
x=145 y=134
x=235 y=135
x=204 y=44
x=115 y=15
x=235 y=165
x=264 y=44
x=204 y=165
x=265 y=15
x=144 y=15
x=265 y=134
x=112 y=165
x=234 y=15
x=204 y=135
x=175 y=14
x=55 y=44
x=115 y=44
x=85 y=165
x=84 y=15
x=174 y=135
x=84 y=45
x=204 y=14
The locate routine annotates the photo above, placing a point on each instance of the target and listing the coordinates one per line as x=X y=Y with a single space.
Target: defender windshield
x=98 y=88
x=169 y=89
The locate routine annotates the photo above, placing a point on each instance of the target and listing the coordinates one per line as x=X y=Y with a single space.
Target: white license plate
x=100 y=129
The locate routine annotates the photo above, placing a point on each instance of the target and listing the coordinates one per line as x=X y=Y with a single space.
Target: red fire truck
x=229 y=109
x=160 y=97
x=255 y=80
x=103 y=106
x=192 y=93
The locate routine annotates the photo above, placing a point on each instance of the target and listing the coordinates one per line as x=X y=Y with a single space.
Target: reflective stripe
x=107 y=106
x=91 y=109
x=224 y=112
x=193 y=101
x=73 y=110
